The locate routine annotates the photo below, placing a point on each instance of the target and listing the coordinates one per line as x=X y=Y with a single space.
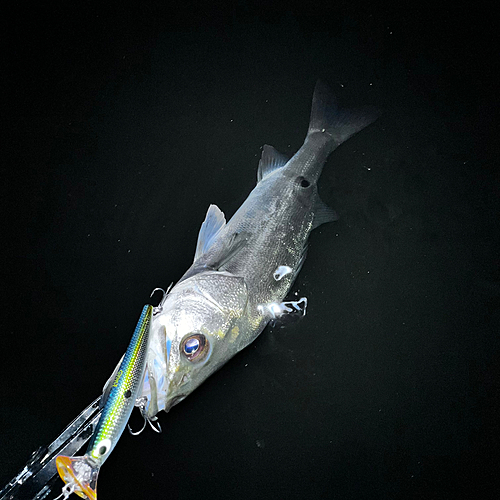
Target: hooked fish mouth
x=160 y=385
x=155 y=398
x=156 y=386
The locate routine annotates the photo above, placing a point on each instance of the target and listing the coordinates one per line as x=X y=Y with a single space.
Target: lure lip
x=82 y=487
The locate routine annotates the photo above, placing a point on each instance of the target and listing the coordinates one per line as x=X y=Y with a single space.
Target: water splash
x=276 y=310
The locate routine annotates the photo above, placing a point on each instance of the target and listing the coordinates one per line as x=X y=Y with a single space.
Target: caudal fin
x=79 y=475
x=339 y=124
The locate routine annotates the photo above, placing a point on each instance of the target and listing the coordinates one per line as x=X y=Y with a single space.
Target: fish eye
x=194 y=346
x=191 y=346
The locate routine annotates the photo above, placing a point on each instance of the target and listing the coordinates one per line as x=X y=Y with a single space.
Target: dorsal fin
x=213 y=223
x=270 y=161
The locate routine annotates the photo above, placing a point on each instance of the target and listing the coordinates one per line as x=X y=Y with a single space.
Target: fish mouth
x=156 y=384
x=155 y=396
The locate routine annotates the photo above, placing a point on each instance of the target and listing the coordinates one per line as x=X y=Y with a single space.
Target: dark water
x=127 y=124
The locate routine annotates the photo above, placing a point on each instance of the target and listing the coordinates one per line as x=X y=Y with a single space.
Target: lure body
x=80 y=473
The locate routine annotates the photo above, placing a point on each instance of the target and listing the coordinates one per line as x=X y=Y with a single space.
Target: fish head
x=192 y=334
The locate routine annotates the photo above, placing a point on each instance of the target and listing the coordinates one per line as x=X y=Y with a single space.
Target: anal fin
x=323 y=213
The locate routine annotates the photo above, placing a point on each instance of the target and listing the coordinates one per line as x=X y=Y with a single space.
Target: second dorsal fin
x=270 y=161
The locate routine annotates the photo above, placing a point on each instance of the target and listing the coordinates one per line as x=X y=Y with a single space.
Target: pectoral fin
x=236 y=243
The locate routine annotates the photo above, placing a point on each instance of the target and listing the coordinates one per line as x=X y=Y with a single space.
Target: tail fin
x=79 y=475
x=326 y=117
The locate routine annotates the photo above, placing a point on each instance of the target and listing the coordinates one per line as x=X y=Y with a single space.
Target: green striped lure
x=80 y=473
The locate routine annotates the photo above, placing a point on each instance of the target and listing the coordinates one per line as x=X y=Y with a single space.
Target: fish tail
x=79 y=475
x=336 y=123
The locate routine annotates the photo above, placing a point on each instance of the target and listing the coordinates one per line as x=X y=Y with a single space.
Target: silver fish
x=230 y=293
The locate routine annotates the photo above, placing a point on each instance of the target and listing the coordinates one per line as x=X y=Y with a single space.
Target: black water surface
x=121 y=127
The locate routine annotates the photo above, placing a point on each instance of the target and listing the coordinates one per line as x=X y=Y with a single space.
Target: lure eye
x=102 y=448
x=194 y=347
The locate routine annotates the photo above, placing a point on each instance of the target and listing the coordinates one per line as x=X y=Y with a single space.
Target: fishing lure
x=80 y=473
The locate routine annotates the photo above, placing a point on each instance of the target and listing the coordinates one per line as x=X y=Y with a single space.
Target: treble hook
x=138 y=432
x=159 y=307
x=67 y=490
x=161 y=290
x=149 y=420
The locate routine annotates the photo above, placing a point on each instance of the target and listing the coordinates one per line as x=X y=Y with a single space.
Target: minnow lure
x=80 y=473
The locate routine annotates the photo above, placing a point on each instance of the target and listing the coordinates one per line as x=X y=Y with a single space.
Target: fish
x=244 y=268
x=119 y=398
